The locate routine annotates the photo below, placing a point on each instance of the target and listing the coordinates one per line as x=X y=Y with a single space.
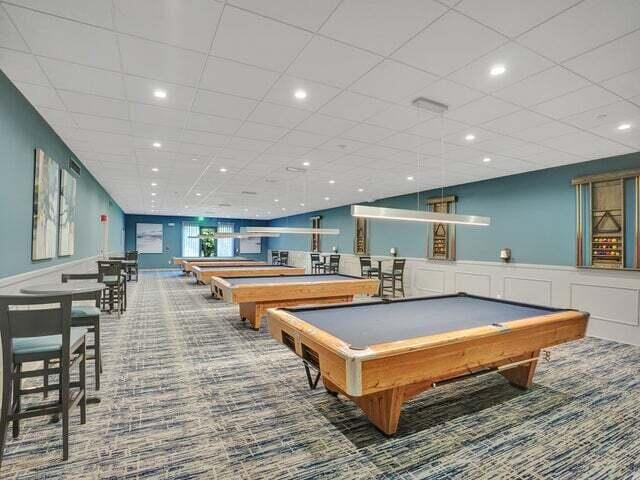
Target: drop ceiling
x=230 y=124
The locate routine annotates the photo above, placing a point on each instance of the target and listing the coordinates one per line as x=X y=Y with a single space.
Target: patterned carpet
x=191 y=392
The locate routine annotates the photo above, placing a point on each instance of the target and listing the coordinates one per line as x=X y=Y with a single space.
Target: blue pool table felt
x=361 y=325
x=290 y=279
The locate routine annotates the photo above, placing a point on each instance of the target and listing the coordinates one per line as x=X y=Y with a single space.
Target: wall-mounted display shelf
x=441 y=244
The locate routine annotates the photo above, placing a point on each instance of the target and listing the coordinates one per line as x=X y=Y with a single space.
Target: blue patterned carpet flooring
x=190 y=392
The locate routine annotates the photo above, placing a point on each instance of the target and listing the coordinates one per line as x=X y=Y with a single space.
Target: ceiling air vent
x=246 y=192
x=295 y=169
x=74 y=167
x=224 y=204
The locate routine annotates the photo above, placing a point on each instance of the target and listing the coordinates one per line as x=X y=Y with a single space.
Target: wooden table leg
x=522 y=375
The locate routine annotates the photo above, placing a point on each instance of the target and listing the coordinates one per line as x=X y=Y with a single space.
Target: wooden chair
x=394 y=280
x=317 y=265
x=87 y=316
x=275 y=257
x=114 y=294
x=38 y=329
x=132 y=255
x=283 y=258
x=366 y=269
x=334 y=264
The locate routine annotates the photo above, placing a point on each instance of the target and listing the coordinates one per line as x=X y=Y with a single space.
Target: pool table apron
x=380 y=378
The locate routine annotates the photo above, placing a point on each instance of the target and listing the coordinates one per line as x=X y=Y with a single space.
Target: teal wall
x=173 y=237
x=531 y=213
x=22 y=129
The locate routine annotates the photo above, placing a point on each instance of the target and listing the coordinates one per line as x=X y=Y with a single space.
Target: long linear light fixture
x=383 y=213
x=220 y=235
x=292 y=230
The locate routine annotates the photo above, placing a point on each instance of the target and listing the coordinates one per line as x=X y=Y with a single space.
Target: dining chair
x=275 y=257
x=366 y=268
x=115 y=291
x=393 y=281
x=283 y=258
x=334 y=264
x=317 y=265
x=132 y=255
x=35 y=329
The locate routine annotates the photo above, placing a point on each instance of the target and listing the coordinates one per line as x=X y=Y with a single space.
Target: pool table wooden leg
x=251 y=312
x=522 y=376
x=383 y=408
x=330 y=387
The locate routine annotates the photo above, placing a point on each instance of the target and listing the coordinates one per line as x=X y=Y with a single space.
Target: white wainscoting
x=612 y=297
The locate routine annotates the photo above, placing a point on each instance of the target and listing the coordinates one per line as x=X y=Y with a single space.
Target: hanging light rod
x=292 y=230
x=382 y=213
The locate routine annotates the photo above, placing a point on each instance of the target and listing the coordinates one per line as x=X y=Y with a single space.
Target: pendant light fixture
x=419 y=215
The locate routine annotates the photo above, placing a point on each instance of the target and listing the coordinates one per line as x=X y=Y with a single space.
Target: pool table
x=256 y=294
x=382 y=353
x=187 y=266
x=204 y=273
x=178 y=261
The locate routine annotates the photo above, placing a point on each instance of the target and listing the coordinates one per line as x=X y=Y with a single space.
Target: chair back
x=83 y=276
x=284 y=258
x=398 y=266
x=108 y=267
x=132 y=255
x=365 y=265
x=334 y=261
x=315 y=258
x=275 y=256
x=34 y=316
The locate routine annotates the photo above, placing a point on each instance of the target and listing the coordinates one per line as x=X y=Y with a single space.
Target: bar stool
x=334 y=264
x=275 y=257
x=114 y=294
x=317 y=265
x=366 y=269
x=283 y=258
x=395 y=277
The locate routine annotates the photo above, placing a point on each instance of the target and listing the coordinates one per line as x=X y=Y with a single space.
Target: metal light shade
x=382 y=213
x=292 y=230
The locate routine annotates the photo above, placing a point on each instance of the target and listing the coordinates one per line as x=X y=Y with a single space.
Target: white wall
x=612 y=297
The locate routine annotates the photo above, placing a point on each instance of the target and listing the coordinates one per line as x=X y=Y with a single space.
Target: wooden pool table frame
x=256 y=298
x=381 y=377
x=179 y=261
x=187 y=266
x=204 y=273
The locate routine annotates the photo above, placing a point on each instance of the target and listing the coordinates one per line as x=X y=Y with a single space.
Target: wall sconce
x=505 y=254
x=393 y=252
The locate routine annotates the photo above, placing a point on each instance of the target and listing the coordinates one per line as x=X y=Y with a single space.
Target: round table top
x=72 y=287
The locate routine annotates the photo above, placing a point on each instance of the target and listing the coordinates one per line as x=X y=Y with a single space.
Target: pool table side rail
x=434 y=358
x=260 y=292
x=188 y=266
x=204 y=274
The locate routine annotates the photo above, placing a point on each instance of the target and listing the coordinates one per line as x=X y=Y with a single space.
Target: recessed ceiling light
x=152 y=211
x=327 y=198
x=154 y=169
x=486 y=159
x=194 y=159
x=246 y=209
x=276 y=200
x=306 y=164
x=158 y=93
x=186 y=206
x=361 y=190
x=223 y=169
x=153 y=194
x=157 y=144
x=624 y=126
x=469 y=137
x=198 y=194
x=284 y=209
x=300 y=94
x=257 y=214
x=332 y=182
x=154 y=184
x=497 y=70
x=302 y=204
x=268 y=213
x=410 y=178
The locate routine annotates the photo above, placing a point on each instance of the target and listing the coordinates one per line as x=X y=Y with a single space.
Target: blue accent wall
x=531 y=213
x=172 y=237
x=22 y=130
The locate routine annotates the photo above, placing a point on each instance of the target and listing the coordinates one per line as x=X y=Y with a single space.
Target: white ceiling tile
x=58 y=119
x=325 y=125
x=104 y=124
x=437 y=127
x=450 y=93
x=249 y=144
x=620 y=56
x=9 y=36
x=157 y=115
x=512 y=17
x=261 y=131
x=160 y=133
x=520 y=63
x=588 y=145
x=514 y=122
x=583 y=27
x=183 y=24
x=576 y=102
x=543 y=86
x=223 y=105
x=379 y=25
x=367 y=133
x=448 y=44
x=309 y=14
x=331 y=62
x=353 y=106
x=404 y=141
x=95 y=105
x=162 y=62
x=140 y=90
x=612 y=114
x=213 y=123
x=96 y=12
x=198 y=149
x=552 y=129
x=626 y=85
x=343 y=145
x=203 y=138
x=398 y=117
x=317 y=94
x=256 y=40
x=304 y=139
x=227 y=76
x=78 y=78
x=392 y=81
x=66 y=40
x=40 y=96
x=278 y=115
x=482 y=110
x=480 y=134
x=22 y=67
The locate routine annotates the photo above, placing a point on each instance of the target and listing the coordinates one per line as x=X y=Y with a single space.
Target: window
x=225 y=245
x=190 y=239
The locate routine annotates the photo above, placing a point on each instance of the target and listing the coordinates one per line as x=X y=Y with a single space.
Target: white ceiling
x=230 y=70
